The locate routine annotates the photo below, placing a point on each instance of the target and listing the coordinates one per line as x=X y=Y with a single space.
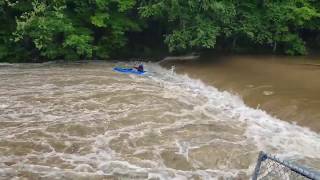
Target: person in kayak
x=139 y=68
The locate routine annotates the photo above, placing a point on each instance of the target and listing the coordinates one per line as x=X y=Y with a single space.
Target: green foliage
x=82 y=44
x=65 y=29
x=68 y=29
x=100 y=19
x=277 y=22
x=197 y=24
x=193 y=24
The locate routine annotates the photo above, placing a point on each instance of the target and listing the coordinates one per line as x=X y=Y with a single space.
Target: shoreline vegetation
x=39 y=31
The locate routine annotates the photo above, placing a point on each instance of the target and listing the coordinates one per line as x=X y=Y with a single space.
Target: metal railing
x=271 y=167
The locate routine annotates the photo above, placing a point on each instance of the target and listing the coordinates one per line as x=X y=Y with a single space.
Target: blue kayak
x=128 y=71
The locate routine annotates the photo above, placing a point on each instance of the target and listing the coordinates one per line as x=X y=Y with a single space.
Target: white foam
x=265 y=131
x=183 y=148
x=189 y=57
x=184 y=101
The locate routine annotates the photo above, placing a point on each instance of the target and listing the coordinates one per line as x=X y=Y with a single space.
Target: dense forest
x=38 y=30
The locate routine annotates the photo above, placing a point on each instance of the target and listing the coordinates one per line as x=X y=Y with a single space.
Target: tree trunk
x=274 y=47
x=234 y=43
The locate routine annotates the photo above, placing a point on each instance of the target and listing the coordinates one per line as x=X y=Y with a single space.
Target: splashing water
x=86 y=121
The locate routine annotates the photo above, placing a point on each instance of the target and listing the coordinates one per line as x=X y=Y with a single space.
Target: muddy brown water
x=85 y=121
x=285 y=87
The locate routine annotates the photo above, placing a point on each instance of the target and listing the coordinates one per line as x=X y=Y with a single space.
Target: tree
x=76 y=29
x=193 y=24
x=198 y=24
x=97 y=29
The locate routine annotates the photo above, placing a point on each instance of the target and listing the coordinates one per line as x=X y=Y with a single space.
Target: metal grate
x=271 y=168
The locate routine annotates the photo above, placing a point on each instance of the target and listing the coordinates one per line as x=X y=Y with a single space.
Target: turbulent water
x=84 y=121
x=286 y=87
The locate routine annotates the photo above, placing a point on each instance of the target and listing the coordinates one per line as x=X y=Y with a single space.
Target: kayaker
x=139 y=68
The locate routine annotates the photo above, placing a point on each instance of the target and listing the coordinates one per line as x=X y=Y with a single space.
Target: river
x=84 y=121
x=285 y=87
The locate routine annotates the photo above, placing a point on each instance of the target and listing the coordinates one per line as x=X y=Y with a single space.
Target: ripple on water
x=66 y=122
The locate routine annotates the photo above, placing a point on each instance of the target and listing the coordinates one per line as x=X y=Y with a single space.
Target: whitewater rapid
x=85 y=121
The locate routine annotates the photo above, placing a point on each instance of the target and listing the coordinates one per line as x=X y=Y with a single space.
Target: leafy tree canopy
x=68 y=29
